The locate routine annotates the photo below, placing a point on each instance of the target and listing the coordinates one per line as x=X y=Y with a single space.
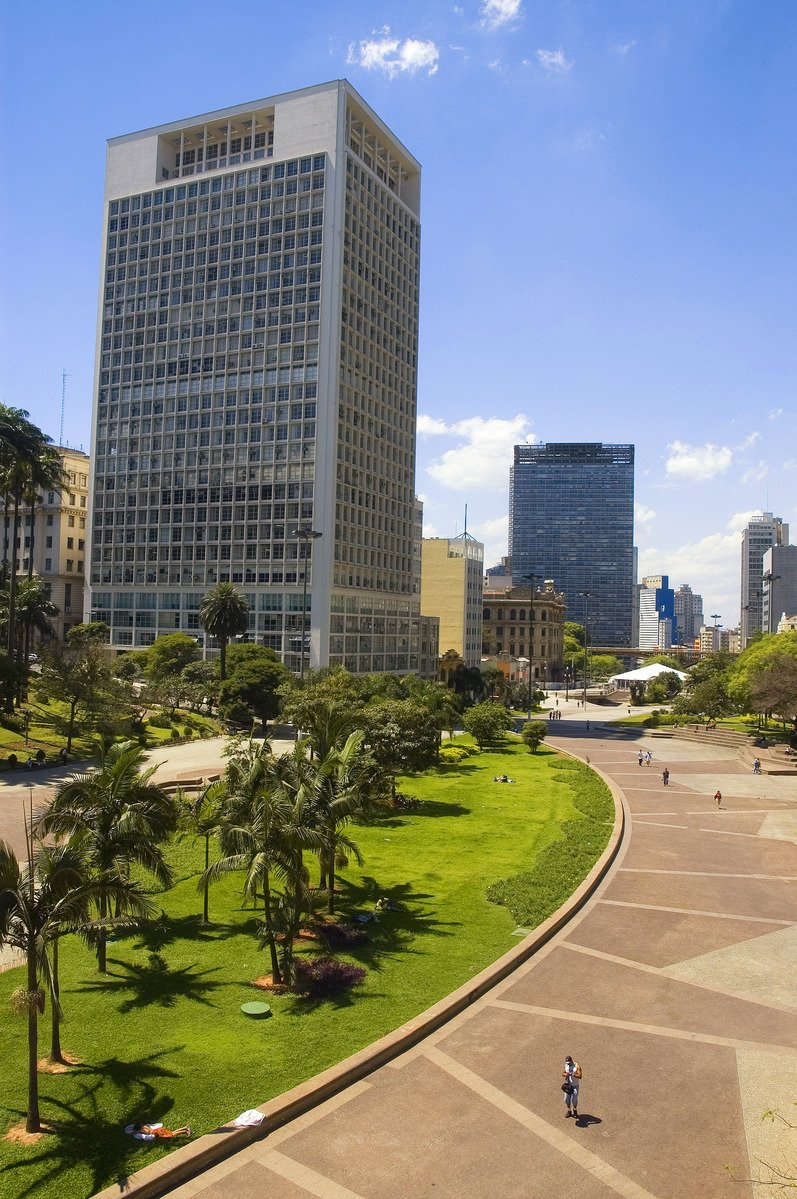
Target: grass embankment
x=751 y=724
x=45 y=731
x=161 y=1036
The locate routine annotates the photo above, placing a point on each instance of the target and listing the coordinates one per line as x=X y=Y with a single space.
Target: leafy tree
x=707 y=698
x=252 y=689
x=168 y=656
x=305 y=703
x=774 y=689
x=467 y=682
x=751 y=674
x=78 y=674
x=39 y=900
x=402 y=735
x=572 y=640
x=224 y=613
x=201 y=683
x=710 y=665
x=487 y=722
x=663 y=688
x=533 y=733
x=116 y=818
x=603 y=666
x=494 y=682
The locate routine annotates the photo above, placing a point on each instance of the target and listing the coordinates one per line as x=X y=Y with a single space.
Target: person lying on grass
x=149 y=1132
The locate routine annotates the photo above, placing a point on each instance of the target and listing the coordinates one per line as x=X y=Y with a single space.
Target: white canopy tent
x=644 y=675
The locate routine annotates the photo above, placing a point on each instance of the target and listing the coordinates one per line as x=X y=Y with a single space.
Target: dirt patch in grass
x=266 y=983
x=19 y=1135
x=46 y=1066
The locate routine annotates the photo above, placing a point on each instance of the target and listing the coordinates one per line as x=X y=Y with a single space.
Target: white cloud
x=740 y=520
x=554 y=61
x=495 y=13
x=697 y=463
x=710 y=567
x=642 y=515
x=392 y=56
x=748 y=442
x=483 y=458
x=774 y=413
x=430 y=426
x=623 y=48
x=790 y=464
x=495 y=536
x=756 y=473
x=428 y=529
x=495 y=65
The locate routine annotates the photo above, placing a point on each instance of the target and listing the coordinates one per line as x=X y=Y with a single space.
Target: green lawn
x=161 y=1036
x=43 y=735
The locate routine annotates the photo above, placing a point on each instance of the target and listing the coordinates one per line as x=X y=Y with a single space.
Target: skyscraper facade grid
x=763 y=531
x=256 y=377
x=571 y=519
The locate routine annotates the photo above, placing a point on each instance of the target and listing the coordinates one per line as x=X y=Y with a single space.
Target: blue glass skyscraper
x=571 y=519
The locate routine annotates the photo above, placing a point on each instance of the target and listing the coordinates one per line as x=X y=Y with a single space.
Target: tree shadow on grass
x=155 y=983
x=165 y=930
x=85 y=1138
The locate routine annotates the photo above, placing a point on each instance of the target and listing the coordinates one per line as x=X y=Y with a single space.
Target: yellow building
x=451 y=590
x=58 y=529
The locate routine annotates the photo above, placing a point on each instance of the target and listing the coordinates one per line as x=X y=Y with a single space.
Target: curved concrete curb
x=187 y=1162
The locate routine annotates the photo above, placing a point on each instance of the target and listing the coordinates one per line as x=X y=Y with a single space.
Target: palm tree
x=347 y=778
x=224 y=613
x=38 y=901
x=201 y=817
x=115 y=818
x=28 y=463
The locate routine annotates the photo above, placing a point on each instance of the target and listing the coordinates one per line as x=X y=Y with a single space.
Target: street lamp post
x=308 y=536
x=586 y=595
x=715 y=617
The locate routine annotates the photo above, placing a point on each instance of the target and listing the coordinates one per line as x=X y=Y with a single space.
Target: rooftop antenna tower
x=64 y=377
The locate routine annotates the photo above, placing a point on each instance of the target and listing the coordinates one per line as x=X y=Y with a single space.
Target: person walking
x=570 y=1086
x=718 y=797
x=665 y=777
x=756 y=765
x=641 y=758
x=648 y=758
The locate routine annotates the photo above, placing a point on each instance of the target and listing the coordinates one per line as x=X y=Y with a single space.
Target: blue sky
x=608 y=216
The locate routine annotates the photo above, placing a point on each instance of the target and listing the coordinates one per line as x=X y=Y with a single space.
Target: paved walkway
x=674 y=988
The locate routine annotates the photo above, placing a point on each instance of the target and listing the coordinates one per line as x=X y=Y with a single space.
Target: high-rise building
x=688 y=613
x=451 y=589
x=657 y=627
x=55 y=536
x=571 y=518
x=763 y=531
x=779 y=577
x=256 y=379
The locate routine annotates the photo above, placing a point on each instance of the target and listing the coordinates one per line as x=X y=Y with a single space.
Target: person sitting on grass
x=149 y=1132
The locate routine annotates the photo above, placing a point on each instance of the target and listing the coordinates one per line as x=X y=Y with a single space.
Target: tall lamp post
x=586 y=595
x=530 y=580
x=307 y=536
x=715 y=617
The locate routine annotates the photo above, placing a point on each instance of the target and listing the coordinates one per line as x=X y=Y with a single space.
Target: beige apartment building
x=256 y=378
x=523 y=623
x=57 y=531
x=451 y=590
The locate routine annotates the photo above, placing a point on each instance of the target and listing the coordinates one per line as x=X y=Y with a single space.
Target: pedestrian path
x=674 y=988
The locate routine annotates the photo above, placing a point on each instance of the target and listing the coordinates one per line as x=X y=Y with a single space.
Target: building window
x=69 y=564
x=67 y=597
x=70 y=520
x=70 y=543
x=48 y=564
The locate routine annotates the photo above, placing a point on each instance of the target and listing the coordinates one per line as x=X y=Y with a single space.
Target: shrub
x=453 y=754
x=337 y=935
x=12 y=721
x=324 y=978
x=175 y=734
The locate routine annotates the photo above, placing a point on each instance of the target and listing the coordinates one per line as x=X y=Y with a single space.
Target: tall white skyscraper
x=762 y=532
x=256 y=378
